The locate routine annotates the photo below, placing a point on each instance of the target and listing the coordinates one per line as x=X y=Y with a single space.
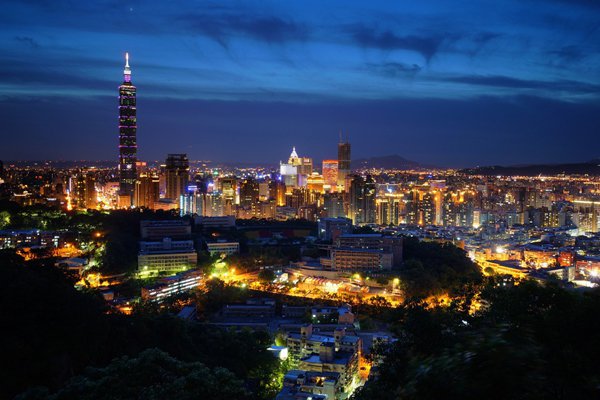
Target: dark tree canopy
x=51 y=332
x=433 y=268
x=151 y=375
x=527 y=342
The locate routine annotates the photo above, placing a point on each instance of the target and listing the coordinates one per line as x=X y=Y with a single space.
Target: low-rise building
x=299 y=384
x=223 y=247
x=13 y=238
x=332 y=228
x=254 y=308
x=329 y=360
x=366 y=252
x=349 y=259
x=172 y=285
x=226 y=221
x=157 y=230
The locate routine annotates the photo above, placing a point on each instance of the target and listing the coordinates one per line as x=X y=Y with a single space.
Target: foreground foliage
x=151 y=375
x=51 y=332
x=433 y=268
x=527 y=342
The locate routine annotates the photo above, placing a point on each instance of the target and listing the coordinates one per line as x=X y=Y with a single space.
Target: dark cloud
x=483 y=38
x=365 y=36
x=568 y=54
x=581 y=3
x=479 y=41
x=395 y=69
x=268 y=29
x=23 y=74
x=28 y=41
x=514 y=83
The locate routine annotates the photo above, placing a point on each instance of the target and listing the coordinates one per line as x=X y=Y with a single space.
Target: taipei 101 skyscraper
x=127 y=138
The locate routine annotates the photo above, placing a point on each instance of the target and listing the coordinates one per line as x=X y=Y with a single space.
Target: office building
x=315 y=182
x=296 y=170
x=343 y=163
x=157 y=230
x=166 y=257
x=127 y=137
x=166 y=248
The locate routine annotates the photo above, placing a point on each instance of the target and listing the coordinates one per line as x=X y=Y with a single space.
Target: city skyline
x=434 y=84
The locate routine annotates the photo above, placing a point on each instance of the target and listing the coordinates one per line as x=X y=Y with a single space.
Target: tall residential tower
x=127 y=138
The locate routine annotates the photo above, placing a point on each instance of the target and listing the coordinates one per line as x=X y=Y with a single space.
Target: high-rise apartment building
x=363 y=193
x=191 y=202
x=249 y=192
x=127 y=137
x=85 y=190
x=91 y=196
x=388 y=209
x=177 y=173
x=333 y=205
x=228 y=186
x=277 y=192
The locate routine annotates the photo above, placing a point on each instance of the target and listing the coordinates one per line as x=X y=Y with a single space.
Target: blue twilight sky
x=449 y=83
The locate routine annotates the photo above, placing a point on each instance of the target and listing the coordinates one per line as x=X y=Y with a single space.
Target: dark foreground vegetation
x=51 y=334
x=526 y=342
x=432 y=268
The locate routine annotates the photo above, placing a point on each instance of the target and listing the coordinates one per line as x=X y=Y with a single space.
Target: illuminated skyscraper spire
x=127 y=70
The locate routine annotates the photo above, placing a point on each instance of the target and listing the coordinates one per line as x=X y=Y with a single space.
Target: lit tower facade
x=127 y=138
x=330 y=173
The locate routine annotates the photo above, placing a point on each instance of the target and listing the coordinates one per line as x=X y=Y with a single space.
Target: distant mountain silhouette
x=387 y=162
x=585 y=168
